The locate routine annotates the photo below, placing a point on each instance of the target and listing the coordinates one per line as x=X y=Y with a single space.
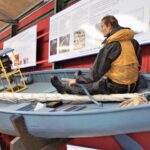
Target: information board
x=24 y=45
x=74 y=32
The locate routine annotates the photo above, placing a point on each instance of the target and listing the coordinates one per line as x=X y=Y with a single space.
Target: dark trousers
x=104 y=86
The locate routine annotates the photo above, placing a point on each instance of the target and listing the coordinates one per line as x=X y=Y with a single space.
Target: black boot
x=57 y=84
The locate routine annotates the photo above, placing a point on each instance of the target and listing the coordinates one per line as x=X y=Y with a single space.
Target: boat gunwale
x=63 y=113
x=70 y=70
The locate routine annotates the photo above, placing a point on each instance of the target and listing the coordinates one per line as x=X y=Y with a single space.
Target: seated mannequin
x=116 y=67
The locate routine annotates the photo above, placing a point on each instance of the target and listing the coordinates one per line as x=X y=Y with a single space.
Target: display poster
x=75 y=31
x=24 y=45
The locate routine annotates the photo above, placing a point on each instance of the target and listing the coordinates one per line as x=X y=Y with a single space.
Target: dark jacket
x=104 y=60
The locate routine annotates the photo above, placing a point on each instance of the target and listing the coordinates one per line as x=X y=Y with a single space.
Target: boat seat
x=40 y=87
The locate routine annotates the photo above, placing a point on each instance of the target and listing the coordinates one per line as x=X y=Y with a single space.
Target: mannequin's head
x=107 y=24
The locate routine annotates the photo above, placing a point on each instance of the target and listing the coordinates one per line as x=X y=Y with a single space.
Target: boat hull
x=90 y=121
x=81 y=124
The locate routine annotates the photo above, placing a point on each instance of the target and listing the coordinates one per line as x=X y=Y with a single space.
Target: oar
x=89 y=96
x=86 y=92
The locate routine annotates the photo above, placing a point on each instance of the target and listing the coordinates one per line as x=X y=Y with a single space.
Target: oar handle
x=66 y=79
x=99 y=104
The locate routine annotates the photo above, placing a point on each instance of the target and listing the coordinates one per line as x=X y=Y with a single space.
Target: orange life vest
x=124 y=70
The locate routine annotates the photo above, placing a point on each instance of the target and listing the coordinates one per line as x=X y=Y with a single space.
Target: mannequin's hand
x=72 y=82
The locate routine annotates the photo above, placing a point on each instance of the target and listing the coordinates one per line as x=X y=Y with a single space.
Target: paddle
x=99 y=104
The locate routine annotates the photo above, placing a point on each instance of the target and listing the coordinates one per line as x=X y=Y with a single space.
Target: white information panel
x=72 y=147
x=74 y=32
x=24 y=45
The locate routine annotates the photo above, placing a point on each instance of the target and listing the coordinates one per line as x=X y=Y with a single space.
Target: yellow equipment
x=8 y=76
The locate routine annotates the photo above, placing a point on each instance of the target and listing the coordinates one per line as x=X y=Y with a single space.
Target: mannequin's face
x=105 y=29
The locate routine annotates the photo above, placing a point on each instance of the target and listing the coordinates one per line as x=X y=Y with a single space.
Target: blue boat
x=73 y=119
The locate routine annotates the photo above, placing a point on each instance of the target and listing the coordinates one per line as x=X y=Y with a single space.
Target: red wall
x=145 y=58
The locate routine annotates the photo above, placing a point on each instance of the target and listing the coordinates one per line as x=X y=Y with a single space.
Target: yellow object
x=124 y=70
x=11 y=76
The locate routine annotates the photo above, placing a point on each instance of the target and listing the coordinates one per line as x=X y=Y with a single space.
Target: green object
x=59 y=5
